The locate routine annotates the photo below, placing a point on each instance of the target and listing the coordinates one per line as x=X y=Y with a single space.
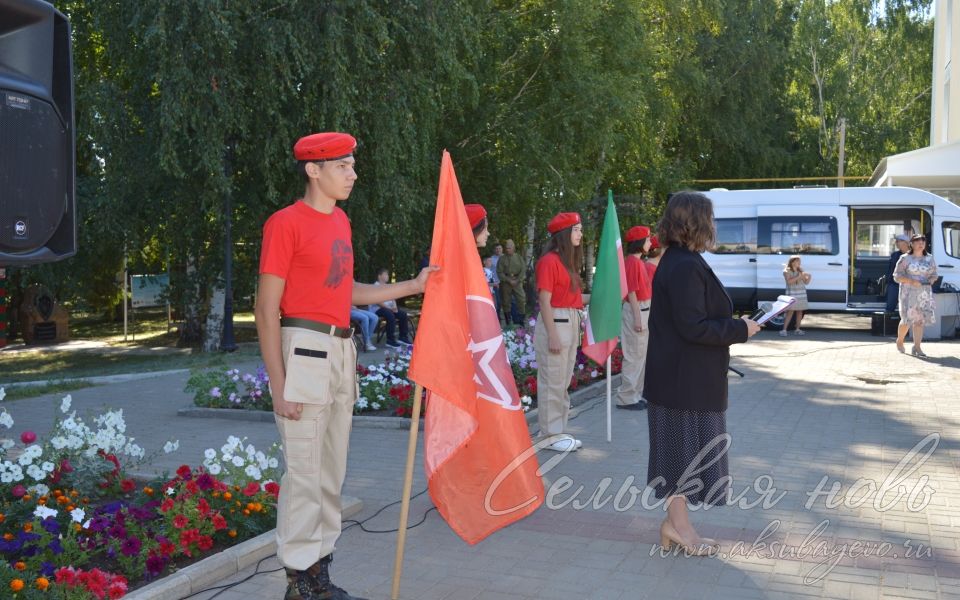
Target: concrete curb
x=214 y=569
x=100 y=379
x=370 y=422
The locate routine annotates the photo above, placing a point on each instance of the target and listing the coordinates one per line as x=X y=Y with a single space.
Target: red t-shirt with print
x=637 y=279
x=553 y=277
x=313 y=253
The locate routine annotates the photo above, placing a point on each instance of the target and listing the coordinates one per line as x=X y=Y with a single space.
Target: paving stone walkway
x=819 y=425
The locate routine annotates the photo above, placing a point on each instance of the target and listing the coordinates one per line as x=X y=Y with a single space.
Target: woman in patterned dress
x=915 y=272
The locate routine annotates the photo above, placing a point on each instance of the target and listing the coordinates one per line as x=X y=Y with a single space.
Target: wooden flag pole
x=609 y=404
x=407 y=485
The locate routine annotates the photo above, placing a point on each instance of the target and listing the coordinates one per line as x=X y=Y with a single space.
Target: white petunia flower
x=77 y=515
x=172 y=446
x=210 y=454
x=214 y=469
x=237 y=461
x=65 y=403
x=169 y=491
x=42 y=512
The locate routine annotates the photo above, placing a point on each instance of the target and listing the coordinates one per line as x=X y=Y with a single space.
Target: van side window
x=736 y=236
x=798 y=235
x=951 y=238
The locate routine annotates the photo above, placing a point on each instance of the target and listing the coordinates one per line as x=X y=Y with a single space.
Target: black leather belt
x=644 y=309
x=561 y=320
x=327 y=328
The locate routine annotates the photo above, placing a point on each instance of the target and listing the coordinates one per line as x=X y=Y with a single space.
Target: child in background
x=797 y=281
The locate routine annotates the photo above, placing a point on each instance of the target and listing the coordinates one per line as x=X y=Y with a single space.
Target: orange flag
x=480 y=465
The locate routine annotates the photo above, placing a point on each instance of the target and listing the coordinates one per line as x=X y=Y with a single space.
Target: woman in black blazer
x=691 y=329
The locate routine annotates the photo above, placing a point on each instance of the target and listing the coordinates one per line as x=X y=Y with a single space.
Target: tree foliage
x=544 y=104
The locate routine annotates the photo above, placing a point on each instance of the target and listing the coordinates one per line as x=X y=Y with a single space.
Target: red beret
x=324 y=146
x=654 y=242
x=562 y=221
x=475 y=214
x=635 y=234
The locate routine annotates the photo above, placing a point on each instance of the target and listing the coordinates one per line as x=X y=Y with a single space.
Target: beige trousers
x=555 y=370
x=320 y=373
x=634 y=347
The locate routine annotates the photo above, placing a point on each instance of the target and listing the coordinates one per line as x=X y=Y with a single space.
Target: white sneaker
x=563 y=445
x=801 y=332
x=371 y=347
x=783 y=333
x=578 y=443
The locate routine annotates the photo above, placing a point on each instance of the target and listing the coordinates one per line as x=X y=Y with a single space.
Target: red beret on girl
x=635 y=234
x=475 y=214
x=562 y=221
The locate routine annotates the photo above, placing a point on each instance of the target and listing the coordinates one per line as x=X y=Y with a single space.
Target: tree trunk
x=192 y=331
x=213 y=332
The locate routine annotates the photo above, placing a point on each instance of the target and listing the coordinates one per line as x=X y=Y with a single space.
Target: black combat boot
x=325 y=590
x=300 y=586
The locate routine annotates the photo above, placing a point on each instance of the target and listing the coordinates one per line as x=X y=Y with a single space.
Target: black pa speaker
x=38 y=215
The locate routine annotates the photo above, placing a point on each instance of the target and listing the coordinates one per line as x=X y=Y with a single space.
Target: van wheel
x=777 y=321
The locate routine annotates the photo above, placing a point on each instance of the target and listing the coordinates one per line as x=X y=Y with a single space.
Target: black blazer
x=691 y=329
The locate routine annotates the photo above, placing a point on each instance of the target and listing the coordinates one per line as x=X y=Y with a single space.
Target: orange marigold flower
x=8 y=536
x=148 y=491
x=227 y=496
x=251 y=506
x=16 y=585
x=26 y=497
x=74 y=493
x=77 y=527
x=42 y=583
x=246 y=512
x=19 y=565
x=232 y=533
x=3 y=517
x=28 y=527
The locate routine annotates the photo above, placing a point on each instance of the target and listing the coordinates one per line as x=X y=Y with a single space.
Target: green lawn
x=149 y=347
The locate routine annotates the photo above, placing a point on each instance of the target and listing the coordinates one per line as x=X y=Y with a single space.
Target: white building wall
x=945 y=105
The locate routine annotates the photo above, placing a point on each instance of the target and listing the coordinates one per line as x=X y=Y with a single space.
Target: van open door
x=816 y=233
x=874 y=229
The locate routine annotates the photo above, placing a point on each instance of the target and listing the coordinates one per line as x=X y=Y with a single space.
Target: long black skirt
x=688 y=454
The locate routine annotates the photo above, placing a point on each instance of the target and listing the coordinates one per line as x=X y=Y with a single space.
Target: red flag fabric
x=480 y=464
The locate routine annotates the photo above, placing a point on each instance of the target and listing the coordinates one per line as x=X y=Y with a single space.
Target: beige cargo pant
x=634 y=347
x=320 y=373
x=555 y=370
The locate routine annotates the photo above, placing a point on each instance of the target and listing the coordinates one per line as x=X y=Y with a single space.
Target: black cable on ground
x=353 y=523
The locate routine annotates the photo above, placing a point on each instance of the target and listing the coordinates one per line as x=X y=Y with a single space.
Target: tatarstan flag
x=480 y=465
x=609 y=290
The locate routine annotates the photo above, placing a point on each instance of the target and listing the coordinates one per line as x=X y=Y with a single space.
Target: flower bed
x=384 y=387
x=73 y=525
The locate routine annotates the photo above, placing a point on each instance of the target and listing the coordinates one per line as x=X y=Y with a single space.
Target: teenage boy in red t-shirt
x=305 y=292
x=633 y=320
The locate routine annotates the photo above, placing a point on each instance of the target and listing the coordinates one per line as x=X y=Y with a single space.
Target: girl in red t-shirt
x=557 y=332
